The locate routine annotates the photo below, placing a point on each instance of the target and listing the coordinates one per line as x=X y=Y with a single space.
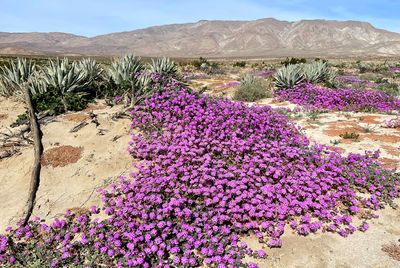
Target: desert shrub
x=200 y=63
x=21 y=119
x=51 y=101
x=293 y=61
x=350 y=135
x=375 y=77
x=392 y=89
x=252 y=88
x=320 y=60
x=240 y=64
x=371 y=67
x=205 y=66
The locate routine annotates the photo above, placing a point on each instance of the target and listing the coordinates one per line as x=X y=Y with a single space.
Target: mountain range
x=216 y=38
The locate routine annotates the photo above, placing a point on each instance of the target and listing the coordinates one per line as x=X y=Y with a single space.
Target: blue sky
x=94 y=17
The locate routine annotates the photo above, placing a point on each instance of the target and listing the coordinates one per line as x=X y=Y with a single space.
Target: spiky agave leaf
x=289 y=76
x=143 y=87
x=64 y=76
x=317 y=72
x=37 y=83
x=13 y=77
x=122 y=70
x=90 y=69
x=164 y=66
x=6 y=90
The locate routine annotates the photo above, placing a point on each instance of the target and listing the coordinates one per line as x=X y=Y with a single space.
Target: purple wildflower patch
x=341 y=99
x=229 y=84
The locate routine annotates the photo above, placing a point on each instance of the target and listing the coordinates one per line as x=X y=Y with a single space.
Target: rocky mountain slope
x=260 y=38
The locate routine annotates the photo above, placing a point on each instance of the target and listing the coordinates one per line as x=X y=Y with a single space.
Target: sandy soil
x=103 y=156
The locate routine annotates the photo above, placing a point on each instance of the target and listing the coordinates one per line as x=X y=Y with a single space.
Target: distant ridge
x=259 y=38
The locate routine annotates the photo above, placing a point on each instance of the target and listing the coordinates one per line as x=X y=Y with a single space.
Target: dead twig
x=79 y=126
x=94 y=119
x=38 y=151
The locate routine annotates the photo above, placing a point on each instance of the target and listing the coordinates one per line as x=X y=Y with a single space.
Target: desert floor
x=77 y=164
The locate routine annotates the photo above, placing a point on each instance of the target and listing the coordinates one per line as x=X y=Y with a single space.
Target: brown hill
x=260 y=38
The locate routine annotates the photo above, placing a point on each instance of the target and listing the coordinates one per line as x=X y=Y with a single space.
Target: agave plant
x=317 y=72
x=289 y=76
x=15 y=76
x=122 y=70
x=164 y=66
x=65 y=78
x=37 y=84
x=90 y=69
x=143 y=88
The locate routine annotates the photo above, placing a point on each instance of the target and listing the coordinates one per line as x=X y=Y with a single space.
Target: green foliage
x=293 y=61
x=320 y=60
x=240 y=64
x=91 y=70
x=289 y=76
x=351 y=135
x=67 y=80
x=252 y=89
x=200 y=62
x=122 y=70
x=317 y=72
x=164 y=66
x=335 y=142
x=21 y=119
x=392 y=89
x=314 y=114
x=52 y=102
x=371 y=67
x=374 y=77
x=15 y=75
x=340 y=71
x=314 y=72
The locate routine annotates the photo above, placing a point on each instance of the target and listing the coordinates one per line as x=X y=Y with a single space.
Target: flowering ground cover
x=394 y=69
x=354 y=81
x=212 y=170
x=229 y=84
x=263 y=73
x=341 y=99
